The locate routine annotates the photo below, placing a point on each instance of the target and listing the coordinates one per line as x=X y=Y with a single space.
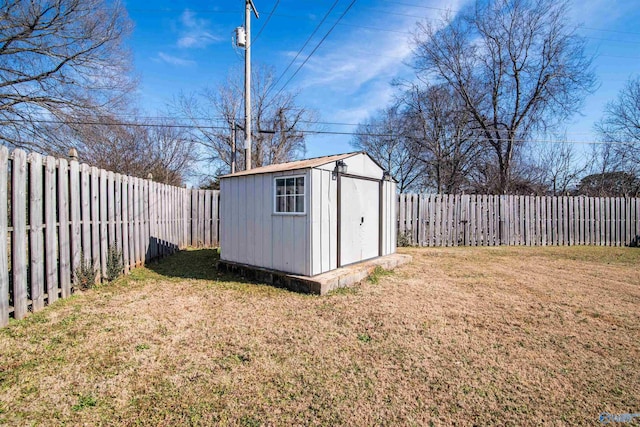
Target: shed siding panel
x=242 y=213
x=224 y=207
x=276 y=237
x=388 y=218
x=332 y=212
x=262 y=199
x=236 y=203
x=329 y=225
x=258 y=223
x=233 y=213
x=247 y=217
x=324 y=225
x=392 y=220
x=267 y=224
x=317 y=228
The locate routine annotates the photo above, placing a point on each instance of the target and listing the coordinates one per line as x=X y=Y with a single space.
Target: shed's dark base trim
x=271 y=277
x=320 y=284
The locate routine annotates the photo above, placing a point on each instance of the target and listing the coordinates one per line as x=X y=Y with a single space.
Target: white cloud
x=195 y=32
x=349 y=78
x=174 y=60
x=599 y=13
x=360 y=66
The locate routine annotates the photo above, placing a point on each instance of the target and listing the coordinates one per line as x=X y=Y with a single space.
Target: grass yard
x=487 y=336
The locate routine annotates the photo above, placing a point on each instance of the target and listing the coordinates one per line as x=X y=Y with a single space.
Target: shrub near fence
x=53 y=210
x=482 y=220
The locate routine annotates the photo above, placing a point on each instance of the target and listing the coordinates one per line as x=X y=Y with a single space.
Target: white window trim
x=275 y=197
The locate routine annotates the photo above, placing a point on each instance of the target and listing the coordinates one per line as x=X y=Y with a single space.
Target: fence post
x=74 y=201
x=19 y=249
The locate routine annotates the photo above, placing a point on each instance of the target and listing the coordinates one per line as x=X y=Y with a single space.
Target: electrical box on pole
x=241 y=37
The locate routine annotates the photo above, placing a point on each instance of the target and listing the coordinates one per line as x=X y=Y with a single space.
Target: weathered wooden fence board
x=103 y=222
x=4 y=229
x=51 y=230
x=126 y=258
x=36 y=236
x=85 y=208
x=119 y=239
x=19 y=245
x=63 y=229
x=95 y=219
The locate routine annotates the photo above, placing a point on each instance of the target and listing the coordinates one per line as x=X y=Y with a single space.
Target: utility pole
x=249 y=6
x=233 y=146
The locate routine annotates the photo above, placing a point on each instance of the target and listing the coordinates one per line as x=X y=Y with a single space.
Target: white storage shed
x=310 y=216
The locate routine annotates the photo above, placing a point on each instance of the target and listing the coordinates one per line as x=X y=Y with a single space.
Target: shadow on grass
x=198 y=264
x=201 y=264
x=190 y=264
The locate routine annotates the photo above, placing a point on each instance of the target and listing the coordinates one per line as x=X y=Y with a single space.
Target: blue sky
x=185 y=46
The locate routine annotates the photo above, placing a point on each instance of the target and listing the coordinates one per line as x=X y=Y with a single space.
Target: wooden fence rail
x=53 y=211
x=481 y=220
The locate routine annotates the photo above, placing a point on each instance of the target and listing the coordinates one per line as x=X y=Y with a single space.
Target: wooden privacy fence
x=480 y=220
x=53 y=210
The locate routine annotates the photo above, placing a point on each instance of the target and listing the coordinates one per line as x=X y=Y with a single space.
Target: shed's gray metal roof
x=298 y=164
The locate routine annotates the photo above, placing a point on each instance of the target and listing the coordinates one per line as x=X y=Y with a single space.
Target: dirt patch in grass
x=487 y=336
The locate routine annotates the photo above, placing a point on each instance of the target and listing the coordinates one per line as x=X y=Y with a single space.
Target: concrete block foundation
x=322 y=283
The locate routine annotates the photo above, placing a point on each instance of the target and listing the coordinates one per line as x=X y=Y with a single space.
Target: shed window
x=289 y=195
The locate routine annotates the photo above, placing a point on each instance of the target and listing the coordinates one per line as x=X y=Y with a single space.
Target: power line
x=326 y=15
x=265 y=23
x=421 y=6
x=135 y=121
x=174 y=11
x=309 y=131
x=317 y=46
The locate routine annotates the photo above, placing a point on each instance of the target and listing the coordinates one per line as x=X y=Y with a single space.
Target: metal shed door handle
x=361 y=220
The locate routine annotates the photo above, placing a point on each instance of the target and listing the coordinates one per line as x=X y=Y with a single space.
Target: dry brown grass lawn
x=487 y=336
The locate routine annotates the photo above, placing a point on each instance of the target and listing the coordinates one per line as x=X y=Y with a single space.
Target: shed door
x=359 y=219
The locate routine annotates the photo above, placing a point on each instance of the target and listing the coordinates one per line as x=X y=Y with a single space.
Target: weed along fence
x=53 y=211
x=479 y=220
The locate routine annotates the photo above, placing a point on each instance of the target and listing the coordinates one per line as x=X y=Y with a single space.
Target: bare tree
x=277 y=131
x=515 y=64
x=558 y=167
x=58 y=57
x=438 y=130
x=173 y=153
x=620 y=129
x=382 y=137
x=136 y=148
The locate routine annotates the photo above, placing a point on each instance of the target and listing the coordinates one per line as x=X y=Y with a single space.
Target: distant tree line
x=488 y=81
